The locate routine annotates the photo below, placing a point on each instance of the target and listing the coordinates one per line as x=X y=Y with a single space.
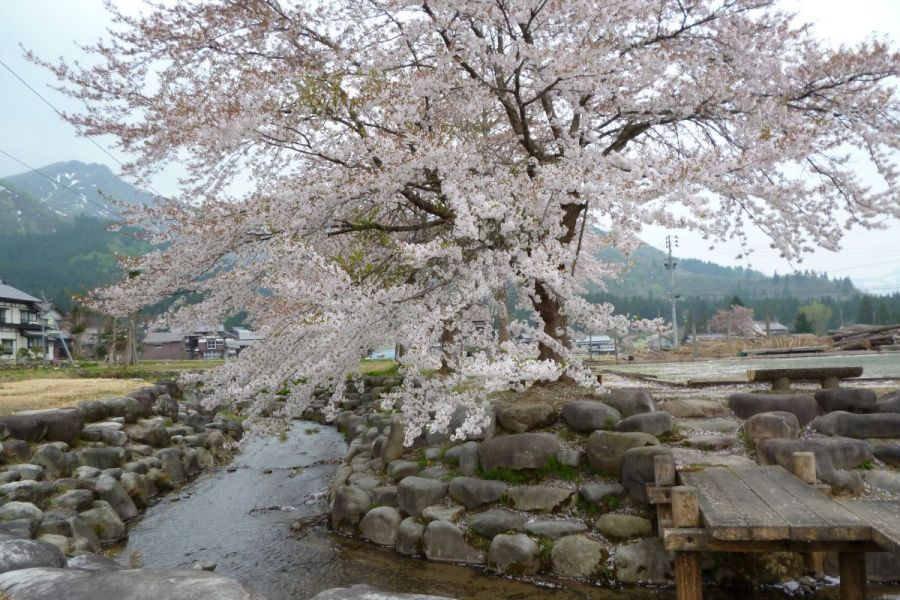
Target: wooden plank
x=697 y=539
x=839 y=522
x=804 y=374
x=716 y=509
x=763 y=522
x=804 y=525
x=882 y=515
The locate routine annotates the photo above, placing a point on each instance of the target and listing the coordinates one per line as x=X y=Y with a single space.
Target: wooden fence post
x=686 y=513
x=853 y=575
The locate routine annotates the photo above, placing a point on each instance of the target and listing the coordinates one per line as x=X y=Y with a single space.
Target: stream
x=239 y=517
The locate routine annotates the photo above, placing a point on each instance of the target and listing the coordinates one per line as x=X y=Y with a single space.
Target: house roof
x=8 y=292
x=163 y=337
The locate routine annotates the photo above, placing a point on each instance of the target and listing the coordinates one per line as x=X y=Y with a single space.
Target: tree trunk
x=502 y=315
x=548 y=307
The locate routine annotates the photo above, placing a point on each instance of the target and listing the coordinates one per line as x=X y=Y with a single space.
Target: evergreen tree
x=802 y=324
x=882 y=314
x=736 y=301
x=865 y=311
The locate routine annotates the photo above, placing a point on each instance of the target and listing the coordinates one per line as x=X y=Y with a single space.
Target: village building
x=26 y=327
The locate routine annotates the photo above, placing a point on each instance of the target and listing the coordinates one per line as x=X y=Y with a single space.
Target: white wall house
x=21 y=324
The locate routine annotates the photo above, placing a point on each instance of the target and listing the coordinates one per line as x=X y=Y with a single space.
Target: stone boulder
x=154 y=435
x=24 y=427
x=399 y=469
x=415 y=493
x=598 y=493
x=409 y=537
x=804 y=407
x=171 y=464
x=655 y=423
x=629 y=401
x=644 y=561
x=101 y=458
x=392 y=449
x=105 y=522
x=472 y=492
x=56 y=463
x=692 y=408
x=605 y=449
x=349 y=505
x=166 y=406
x=855 y=400
x=846 y=424
x=516 y=554
x=889 y=454
x=63 y=424
x=526 y=416
x=637 y=470
x=92 y=410
x=578 y=556
x=888 y=403
x=109 y=490
x=27 y=554
x=554 y=529
x=77 y=500
x=441 y=512
x=380 y=525
x=365 y=592
x=495 y=521
x=135 y=584
x=887 y=481
x=623 y=527
x=832 y=455
x=518 y=451
x=93 y=562
x=22 y=512
x=586 y=416
x=539 y=498
x=771 y=426
x=444 y=542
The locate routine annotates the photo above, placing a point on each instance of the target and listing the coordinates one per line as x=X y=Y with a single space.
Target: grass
x=54 y=393
x=377 y=367
x=158 y=369
x=552 y=468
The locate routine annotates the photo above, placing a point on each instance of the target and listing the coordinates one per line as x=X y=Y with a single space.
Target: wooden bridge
x=767 y=509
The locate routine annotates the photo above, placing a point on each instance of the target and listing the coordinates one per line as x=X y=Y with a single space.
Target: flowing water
x=240 y=518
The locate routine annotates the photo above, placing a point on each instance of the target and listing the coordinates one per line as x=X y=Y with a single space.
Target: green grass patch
x=552 y=468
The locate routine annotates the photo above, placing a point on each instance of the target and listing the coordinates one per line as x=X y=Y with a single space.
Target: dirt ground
x=34 y=394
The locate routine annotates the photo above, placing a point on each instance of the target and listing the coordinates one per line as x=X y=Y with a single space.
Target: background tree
x=819 y=315
x=407 y=158
x=736 y=320
x=865 y=314
x=802 y=324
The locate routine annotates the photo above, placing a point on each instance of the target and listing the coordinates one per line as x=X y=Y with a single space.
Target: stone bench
x=781 y=379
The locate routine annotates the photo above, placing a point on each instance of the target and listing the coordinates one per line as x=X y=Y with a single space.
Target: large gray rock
x=693 y=408
x=109 y=490
x=888 y=481
x=539 y=498
x=578 y=556
x=26 y=554
x=392 y=449
x=152 y=434
x=102 y=458
x=92 y=410
x=637 y=470
x=348 y=507
x=409 y=537
x=888 y=403
x=56 y=463
x=108 y=432
x=771 y=426
x=889 y=454
x=472 y=492
x=598 y=493
x=655 y=423
x=855 y=400
x=105 y=522
x=623 y=527
x=77 y=500
x=495 y=521
x=21 y=511
x=415 y=493
x=629 y=401
x=468 y=459
x=832 y=455
x=399 y=469
x=605 y=449
x=644 y=561
x=171 y=464
x=554 y=529
x=23 y=427
x=516 y=554
x=804 y=407
x=590 y=415
x=526 y=416
x=444 y=542
x=380 y=525
x=93 y=562
x=518 y=451
x=166 y=406
x=365 y=592
x=137 y=584
x=845 y=424
x=63 y=424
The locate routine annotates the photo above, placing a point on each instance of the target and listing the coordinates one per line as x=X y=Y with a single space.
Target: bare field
x=34 y=394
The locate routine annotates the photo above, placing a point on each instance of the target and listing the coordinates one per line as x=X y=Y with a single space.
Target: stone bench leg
x=853 y=575
x=782 y=384
x=831 y=383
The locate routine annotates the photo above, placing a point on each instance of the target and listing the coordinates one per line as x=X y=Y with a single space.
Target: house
x=26 y=323
x=163 y=345
x=242 y=339
x=775 y=329
x=202 y=342
x=597 y=344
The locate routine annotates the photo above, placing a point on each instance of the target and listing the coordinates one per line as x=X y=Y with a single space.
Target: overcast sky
x=34 y=134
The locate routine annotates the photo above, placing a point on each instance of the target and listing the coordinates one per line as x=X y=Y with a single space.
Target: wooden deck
x=767 y=509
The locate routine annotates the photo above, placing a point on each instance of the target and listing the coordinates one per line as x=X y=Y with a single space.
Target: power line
x=63 y=117
x=55 y=182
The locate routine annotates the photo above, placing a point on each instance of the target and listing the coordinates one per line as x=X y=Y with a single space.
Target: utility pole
x=670 y=267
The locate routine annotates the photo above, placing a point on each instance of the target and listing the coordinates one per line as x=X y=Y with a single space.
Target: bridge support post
x=686 y=513
x=853 y=575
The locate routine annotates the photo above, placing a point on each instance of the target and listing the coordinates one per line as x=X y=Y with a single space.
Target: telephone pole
x=670 y=267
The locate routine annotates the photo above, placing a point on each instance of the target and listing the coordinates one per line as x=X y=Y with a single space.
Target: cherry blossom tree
x=408 y=159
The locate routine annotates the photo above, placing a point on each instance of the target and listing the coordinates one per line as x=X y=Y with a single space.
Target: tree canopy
x=409 y=159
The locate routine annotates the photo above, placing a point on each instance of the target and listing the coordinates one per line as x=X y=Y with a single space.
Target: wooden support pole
x=686 y=513
x=664 y=470
x=831 y=383
x=853 y=575
x=803 y=464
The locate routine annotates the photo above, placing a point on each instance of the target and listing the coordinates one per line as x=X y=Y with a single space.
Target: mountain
x=647 y=276
x=73 y=188
x=886 y=284
x=21 y=213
